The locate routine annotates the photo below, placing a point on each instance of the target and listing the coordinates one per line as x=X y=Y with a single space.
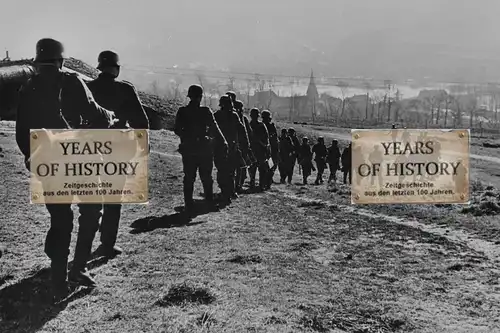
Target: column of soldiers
x=56 y=99
x=239 y=147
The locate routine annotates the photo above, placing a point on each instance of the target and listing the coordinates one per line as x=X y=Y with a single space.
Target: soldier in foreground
x=60 y=100
x=346 y=163
x=333 y=160
x=196 y=127
x=122 y=98
x=286 y=157
x=306 y=156
x=261 y=149
x=234 y=132
x=274 y=142
x=320 y=153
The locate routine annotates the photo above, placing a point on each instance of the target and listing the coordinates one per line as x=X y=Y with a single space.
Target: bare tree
x=376 y=100
x=368 y=88
x=397 y=102
x=249 y=87
x=176 y=82
x=230 y=84
x=155 y=88
x=448 y=101
x=271 y=86
x=202 y=80
x=344 y=90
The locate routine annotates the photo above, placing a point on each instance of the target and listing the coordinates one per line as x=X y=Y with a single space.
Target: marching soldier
x=261 y=149
x=306 y=156
x=286 y=157
x=320 y=153
x=122 y=98
x=196 y=127
x=333 y=160
x=60 y=100
x=249 y=159
x=234 y=132
x=273 y=140
x=346 y=163
x=296 y=152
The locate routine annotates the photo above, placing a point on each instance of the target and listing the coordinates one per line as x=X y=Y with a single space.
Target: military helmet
x=108 y=59
x=225 y=101
x=320 y=138
x=305 y=138
x=195 y=91
x=266 y=114
x=255 y=112
x=238 y=105
x=291 y=130
x=48 y=49
x=231 y=94
x=335 y=141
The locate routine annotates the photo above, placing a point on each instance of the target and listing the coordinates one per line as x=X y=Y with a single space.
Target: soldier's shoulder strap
x=126 y=84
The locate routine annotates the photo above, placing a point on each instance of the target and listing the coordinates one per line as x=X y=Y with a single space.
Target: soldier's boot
x=304 y=180
x=81 y=276
x=59 y=278
x=225 y=197
x=209 y=196
x=271 y=178
x=188 y=198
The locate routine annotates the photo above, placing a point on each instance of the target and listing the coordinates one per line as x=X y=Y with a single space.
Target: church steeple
x=312 y=96
x=312 y=91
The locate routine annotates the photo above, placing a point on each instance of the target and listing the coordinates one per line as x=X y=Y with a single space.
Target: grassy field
x=294 y=259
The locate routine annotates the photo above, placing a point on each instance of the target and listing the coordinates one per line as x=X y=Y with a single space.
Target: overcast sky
x=226 y=32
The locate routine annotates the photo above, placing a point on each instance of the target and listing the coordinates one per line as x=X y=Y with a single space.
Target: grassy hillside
x=294 y=259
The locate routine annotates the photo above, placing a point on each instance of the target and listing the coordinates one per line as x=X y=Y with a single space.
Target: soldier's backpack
x=42 y=105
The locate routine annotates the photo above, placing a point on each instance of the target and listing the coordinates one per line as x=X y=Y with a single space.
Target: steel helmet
x=195 y=91
x=231 y=94
x=225 y=101
x=48 y=49
x=266 y=114
x=108 y=59
x=238 y=105
x=255 y=112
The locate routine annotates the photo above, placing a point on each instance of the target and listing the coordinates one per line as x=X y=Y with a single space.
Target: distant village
x=468 y=106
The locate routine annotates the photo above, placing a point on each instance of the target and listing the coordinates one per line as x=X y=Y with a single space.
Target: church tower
x=312 y=96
